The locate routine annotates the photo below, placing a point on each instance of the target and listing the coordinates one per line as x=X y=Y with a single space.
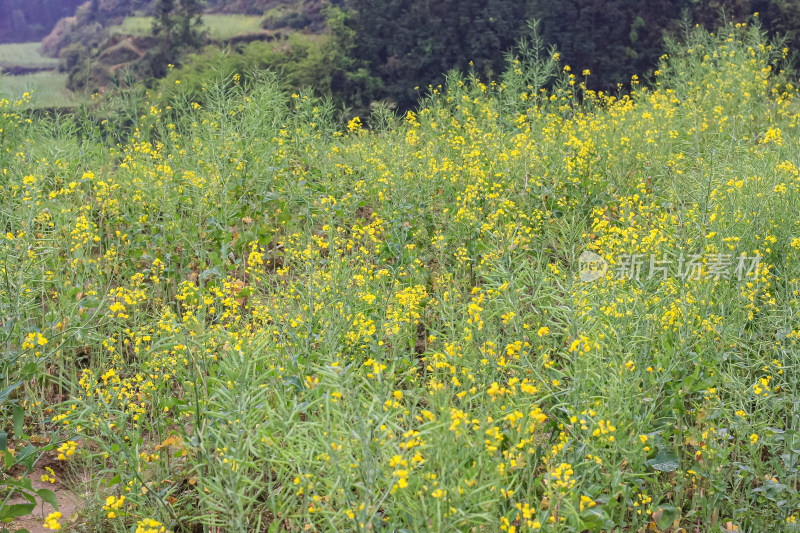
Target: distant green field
x=219 y=26
x=25 y=55
x=48 y=89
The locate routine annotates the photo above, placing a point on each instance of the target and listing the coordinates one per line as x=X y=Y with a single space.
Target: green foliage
x=780 y=17
x=300 y=63
x=168 y=46
x=531 y=69
x=260 y=318
x=152 y=43
x=617 y=39
x=409 y=45
x=284 y=16
x=190 y=23
x=613 y=39
x=322 y=64
x=351 y=80
x=255 y=316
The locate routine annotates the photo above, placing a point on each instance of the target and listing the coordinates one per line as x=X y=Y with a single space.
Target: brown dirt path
x=68 y=505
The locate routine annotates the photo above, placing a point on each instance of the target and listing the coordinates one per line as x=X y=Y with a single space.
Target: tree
x=177 y=28
x=350 y=79
x=189 y=23
x=164 y=32
x=613 y=39
x=410 y=44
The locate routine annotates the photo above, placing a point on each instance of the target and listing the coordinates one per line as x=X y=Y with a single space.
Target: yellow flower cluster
x=67 y=450
x=52 y=521
x=148 y=525
x=113 y=504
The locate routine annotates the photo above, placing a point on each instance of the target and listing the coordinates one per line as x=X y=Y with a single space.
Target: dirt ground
x=68 y=505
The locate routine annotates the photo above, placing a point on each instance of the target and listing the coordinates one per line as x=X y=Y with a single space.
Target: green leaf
x=664 y=461
x=209 y=272
x=19 y=420
x=48 y=496
x=8 y=390
x=27 y=456
x=24 y=483
x=30 y=497
x=16 y=510
x=666 y=516
x=294 y=382
x=29 y=371
x=4 y=443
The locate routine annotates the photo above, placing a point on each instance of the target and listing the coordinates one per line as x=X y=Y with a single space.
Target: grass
x=220 y=27
x=25 y=55
x=48 y=89
x=246 y=315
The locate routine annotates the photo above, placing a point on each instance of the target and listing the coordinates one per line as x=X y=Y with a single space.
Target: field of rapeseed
x=246 y=317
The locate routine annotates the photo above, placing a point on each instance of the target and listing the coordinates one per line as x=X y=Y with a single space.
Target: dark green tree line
x=177 y=27
x=411 y=43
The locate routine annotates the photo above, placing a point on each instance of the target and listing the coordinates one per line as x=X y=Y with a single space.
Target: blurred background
x=358 y=52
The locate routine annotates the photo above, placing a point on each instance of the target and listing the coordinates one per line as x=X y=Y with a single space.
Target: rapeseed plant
x=250 y=316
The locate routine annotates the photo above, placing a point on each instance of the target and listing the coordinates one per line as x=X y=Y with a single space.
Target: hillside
x=29 y=20
x=108 y=37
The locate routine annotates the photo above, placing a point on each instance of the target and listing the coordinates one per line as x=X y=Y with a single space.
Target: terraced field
x=220 y=27
x=25 y=70
x=24 y=56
